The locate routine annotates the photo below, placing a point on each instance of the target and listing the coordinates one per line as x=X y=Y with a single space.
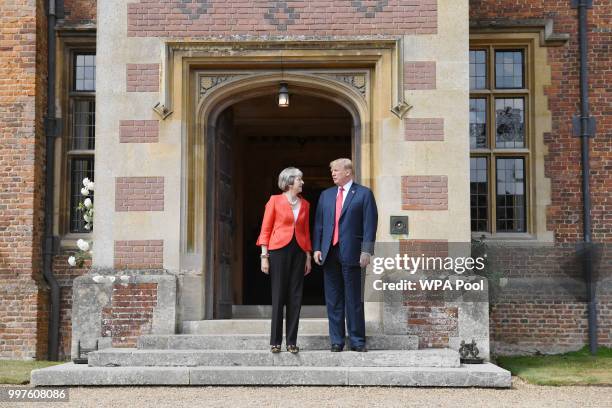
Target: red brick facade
x=142 y=77
x=130 y=313
x=142 y=254
x=563 y=159
x=65 y=275
x=175 y=18
x=417 y=130
x=80 y=11
x=433 y=321
x=425 y=193
x=520 y=318
x=138 y=131
x=528 y=320
x=139 y=194
x=23 y=69
x=420 y=75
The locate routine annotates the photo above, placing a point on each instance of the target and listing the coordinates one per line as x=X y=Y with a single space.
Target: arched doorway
x=308 y=134
x=248 y=140
x=258 y=139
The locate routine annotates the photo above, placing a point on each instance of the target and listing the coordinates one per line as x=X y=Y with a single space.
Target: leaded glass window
x=478 y=69
x=510 y=191
x=499 y=137
x=509 y=122
x=80 y=167
x=509 y=69
x=479 y=192
x=85 y=72
x=82 y=133
x=84 y=121
x=478 y=122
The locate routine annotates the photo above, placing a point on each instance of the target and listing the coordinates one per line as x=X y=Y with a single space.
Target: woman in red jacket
x=285 y=255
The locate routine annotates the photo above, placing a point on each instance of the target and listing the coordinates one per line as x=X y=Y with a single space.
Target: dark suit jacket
x=357 y=225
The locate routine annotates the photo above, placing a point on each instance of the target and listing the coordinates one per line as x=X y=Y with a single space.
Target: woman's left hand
x=308 y=266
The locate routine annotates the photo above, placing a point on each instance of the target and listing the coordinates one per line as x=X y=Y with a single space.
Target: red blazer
x=278 y=226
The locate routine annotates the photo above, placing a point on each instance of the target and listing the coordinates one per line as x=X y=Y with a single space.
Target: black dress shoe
x=336 y=348
x=361 y=349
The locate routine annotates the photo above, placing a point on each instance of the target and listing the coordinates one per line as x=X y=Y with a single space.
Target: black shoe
x=361 y=349
x=336 y=348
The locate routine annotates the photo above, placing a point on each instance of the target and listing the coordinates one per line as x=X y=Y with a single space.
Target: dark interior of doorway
x=308 y=134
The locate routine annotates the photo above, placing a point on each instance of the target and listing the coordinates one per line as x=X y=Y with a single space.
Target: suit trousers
x=343 y=297
x=287 y=280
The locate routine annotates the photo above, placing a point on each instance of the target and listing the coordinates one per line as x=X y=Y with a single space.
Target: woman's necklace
x=294 y=202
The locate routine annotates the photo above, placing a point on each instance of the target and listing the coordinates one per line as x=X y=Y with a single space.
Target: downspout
x=49 y=241
x=585 y=127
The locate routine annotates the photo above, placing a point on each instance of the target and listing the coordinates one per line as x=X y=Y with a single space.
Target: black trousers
x=287 y=279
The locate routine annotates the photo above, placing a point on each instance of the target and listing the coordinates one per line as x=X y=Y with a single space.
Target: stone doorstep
x=477 y=375
x=262 y=342
x=250 y=326
x=307 y=358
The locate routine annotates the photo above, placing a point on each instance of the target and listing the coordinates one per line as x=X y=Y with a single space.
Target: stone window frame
x=538 y=121
x=70 y=43
x=492 y=153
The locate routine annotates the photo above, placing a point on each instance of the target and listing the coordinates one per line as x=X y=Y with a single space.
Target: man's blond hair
x=346 y=164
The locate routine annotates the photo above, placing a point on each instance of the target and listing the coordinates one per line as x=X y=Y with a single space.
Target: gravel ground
x=521 y=394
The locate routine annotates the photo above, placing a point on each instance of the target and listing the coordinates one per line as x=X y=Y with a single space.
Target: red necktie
x=338 y=212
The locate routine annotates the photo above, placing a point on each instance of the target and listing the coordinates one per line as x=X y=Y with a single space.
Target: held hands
x=308 y=266
x=265 y=265
x=317 y=257
x=364 y=259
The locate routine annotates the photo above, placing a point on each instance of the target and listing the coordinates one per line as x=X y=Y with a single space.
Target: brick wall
x=141 y=254
x=562 y=164
x=65 y=275
x=541 y=306
x=142 y=78
x=23 y=299
x=139 y=194
x=420 y=129
x=424 y=192
x=176 y=18
x=420 y=75
x=138 y=131
x=433 y=321
x=547 y=326
x=80 y=11
x=130 y=313
x=529 y=320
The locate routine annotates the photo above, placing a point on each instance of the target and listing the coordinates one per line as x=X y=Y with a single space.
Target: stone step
x=265 y=311
x=262 y=342
x=309 y=358
x=476 y=375
x=250 y=326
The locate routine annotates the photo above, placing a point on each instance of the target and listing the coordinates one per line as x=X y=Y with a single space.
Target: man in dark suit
x=343 y=242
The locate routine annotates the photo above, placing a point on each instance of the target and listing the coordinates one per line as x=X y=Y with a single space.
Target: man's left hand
x=364 y=260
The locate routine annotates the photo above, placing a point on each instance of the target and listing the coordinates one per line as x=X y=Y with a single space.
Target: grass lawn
x=18 y=372
x=575 y=368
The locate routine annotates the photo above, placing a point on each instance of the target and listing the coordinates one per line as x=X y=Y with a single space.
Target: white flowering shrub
x=86 y=207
